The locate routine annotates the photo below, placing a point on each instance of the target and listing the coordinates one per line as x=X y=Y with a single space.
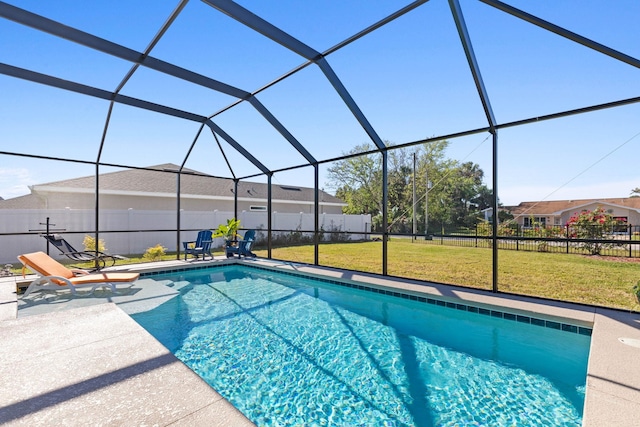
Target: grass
x=603 y=281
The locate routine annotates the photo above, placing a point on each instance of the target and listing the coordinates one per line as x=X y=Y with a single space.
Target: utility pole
x=426 y=204
x=415 y=221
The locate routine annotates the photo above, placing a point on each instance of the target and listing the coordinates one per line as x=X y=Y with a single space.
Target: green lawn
x=586 y=279
x=602 y=281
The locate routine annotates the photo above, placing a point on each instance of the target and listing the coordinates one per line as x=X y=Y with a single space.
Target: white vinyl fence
x=115 y=225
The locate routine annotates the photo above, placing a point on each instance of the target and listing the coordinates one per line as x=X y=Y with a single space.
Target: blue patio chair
x=200 y=246
x=243 y=249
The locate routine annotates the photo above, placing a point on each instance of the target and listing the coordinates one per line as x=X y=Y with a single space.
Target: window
x=620 y=225
x=538 y=221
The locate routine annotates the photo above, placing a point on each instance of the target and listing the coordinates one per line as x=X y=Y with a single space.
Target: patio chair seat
x=243 y=248
x=200 y=246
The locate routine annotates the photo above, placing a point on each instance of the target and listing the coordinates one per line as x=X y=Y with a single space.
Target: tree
x=635 y=192
x=399 y=196
x=357 y=181
x=454 y=198
x=505 y=216
x=465 y=183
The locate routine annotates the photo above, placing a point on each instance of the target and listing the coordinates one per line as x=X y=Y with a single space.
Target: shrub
x=592 y=225
x=154 y=253
x=295 y=237
x=89 y=243
x=228 y=231
x=335 y=233
x=485 y=228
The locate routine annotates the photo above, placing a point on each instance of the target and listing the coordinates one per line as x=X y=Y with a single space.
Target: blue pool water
x=292 y=351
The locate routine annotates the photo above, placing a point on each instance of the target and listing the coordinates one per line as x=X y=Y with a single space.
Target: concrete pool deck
x=80 y=361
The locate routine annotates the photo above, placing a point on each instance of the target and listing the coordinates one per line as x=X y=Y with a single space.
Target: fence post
x=567 y=234
x=630 y=240
x=130 y=222
x=476 y=235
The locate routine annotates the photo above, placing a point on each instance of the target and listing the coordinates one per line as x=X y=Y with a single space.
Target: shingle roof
x=191 y=183
x=29 y=201
x=557 y=206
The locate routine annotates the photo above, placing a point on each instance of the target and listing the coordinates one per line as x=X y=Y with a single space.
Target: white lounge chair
x=54 y=275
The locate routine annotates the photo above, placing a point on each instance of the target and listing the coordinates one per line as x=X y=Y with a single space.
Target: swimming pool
x=290 y=350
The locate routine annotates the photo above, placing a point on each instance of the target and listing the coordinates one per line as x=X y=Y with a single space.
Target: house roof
x=556 y=207
x=29 y=201
x=192 y=183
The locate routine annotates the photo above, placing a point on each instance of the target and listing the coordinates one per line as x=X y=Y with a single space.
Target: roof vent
x=290 y=188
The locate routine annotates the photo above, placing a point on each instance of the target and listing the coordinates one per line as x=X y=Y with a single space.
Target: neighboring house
x=150 y=190
x=557 y=212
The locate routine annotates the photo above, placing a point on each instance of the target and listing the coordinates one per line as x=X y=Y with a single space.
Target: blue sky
x=410 y=79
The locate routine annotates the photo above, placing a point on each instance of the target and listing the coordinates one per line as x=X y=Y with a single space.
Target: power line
x=438 y=182
x=580 y=173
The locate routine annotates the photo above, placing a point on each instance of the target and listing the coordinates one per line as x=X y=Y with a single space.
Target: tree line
x=455 y=198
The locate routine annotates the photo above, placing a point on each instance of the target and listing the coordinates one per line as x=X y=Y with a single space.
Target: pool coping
x=613 y=381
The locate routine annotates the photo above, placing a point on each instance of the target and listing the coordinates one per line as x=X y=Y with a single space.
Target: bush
x=228 y=231
x=292 y=238
x=155 y=253
x=593 y=225
x=335 y=233
x=485 y=228
x=89 y=243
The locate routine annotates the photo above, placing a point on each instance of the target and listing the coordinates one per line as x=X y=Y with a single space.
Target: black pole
x=47 y=224
x=269 y=215
x=385 y=219
x=494 y=231
x=235 y=198
x=96 y=264
x=178 y=217
x=316 y=215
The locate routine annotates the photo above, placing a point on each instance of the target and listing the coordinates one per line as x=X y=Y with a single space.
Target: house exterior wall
x=632 y=215
x=114 y=224
x=561 y=219
x=60 y=200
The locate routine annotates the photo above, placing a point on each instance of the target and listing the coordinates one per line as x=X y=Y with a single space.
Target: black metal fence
x=619 y=240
